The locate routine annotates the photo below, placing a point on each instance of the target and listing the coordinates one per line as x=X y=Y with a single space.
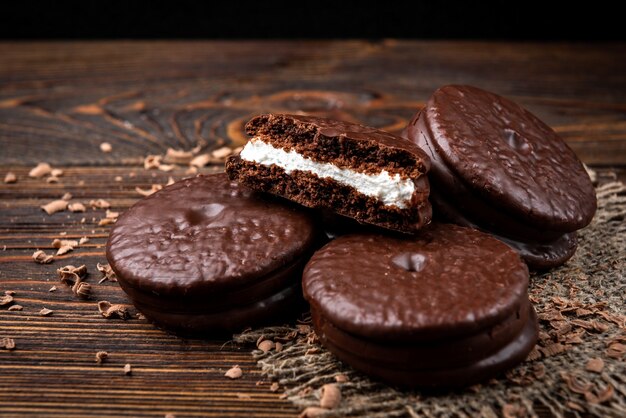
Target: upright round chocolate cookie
x=206 y=254
x=498 y=167
x=447 y=308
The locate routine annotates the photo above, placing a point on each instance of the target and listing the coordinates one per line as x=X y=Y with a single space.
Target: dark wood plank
x=60 y=100
x=143 y=97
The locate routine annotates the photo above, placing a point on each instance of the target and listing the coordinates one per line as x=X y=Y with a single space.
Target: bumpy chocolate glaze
x=206 y=246
x=506 y=156
x=448 y=281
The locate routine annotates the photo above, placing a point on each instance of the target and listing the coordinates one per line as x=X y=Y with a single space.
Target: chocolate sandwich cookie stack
x=207 y=255
x=497 y=167
x=447 y=308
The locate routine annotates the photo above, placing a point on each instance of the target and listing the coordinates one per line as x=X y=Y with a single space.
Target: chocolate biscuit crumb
x=330 y=396
x=7 y=343
x=106 y=147
x=40 y=170
x=234 y=373
x=76 y=207
x=101 y=356
x=128 y=369
x=10 y=178
x=109 y=310
x=99 y=204
x=46 y=312
x=42 y=258
x=55 y=206
x=15 y=308
x=595 y=365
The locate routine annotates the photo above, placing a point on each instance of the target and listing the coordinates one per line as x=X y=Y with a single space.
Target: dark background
x=508 y=20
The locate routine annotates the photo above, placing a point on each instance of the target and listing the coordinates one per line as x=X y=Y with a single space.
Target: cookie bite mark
x=353 y=170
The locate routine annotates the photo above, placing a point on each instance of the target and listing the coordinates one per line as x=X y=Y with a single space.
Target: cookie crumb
x=46 y=312
x=40 y=170
x=109 y=310
x=7 y=343
x=42 y=258
x=15 y=308
x=106 y=147
x=128 y=369
x=10 y=178
x=330 y=396
x=234 y=373
x=55 y=206
x=101 y=356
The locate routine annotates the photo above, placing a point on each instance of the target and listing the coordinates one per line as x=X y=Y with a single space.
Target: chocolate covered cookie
x=356 y=171
x=497 y=167
x=446 y=308
x=207 y=255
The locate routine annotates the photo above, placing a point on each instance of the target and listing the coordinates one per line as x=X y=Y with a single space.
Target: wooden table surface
x=60 y=100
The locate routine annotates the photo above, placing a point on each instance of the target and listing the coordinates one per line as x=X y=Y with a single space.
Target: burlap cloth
x=578 y=367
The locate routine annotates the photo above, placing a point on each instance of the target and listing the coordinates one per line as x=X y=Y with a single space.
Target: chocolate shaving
x=153 y=189
x=109 y=310
x=174 y=156
x=274 y=387
x=52 y=179
x=108 y=272
x=152 y=162
x=341 y=378
x=101 y=356
x=106 y=147
x=576 y=383
x=70 y=275
x=552 y=349
x=600 y=396
x=56 y=172
x=6 y=300
x=112 y=215
x=10 y=178
x=99 y=204
x=83 y=240
x=200 y=161
x=67 y=197
x=330 y=396
x=221 y=153
x=265 y=345
x=76 y=207
x=55 y=206
x=595 y=365
x=15 y=308
x=82 y=290
x=312 y=412
x=106 y=221
x=42 y=258
x=40 y=170
x=234 y=373
x=46 y=312
x=616 y=350
x=128 y=370
x=7 y=343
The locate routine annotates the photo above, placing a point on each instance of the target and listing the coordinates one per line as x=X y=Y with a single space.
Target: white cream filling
x=391 y=190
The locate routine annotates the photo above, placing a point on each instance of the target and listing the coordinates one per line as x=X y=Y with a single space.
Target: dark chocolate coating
x=440 y=378
x=444 y=309
x=448 y=281
x=506 y=156
x=205 y=246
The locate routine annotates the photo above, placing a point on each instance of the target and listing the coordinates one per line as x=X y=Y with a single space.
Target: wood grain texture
x=60 y=100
